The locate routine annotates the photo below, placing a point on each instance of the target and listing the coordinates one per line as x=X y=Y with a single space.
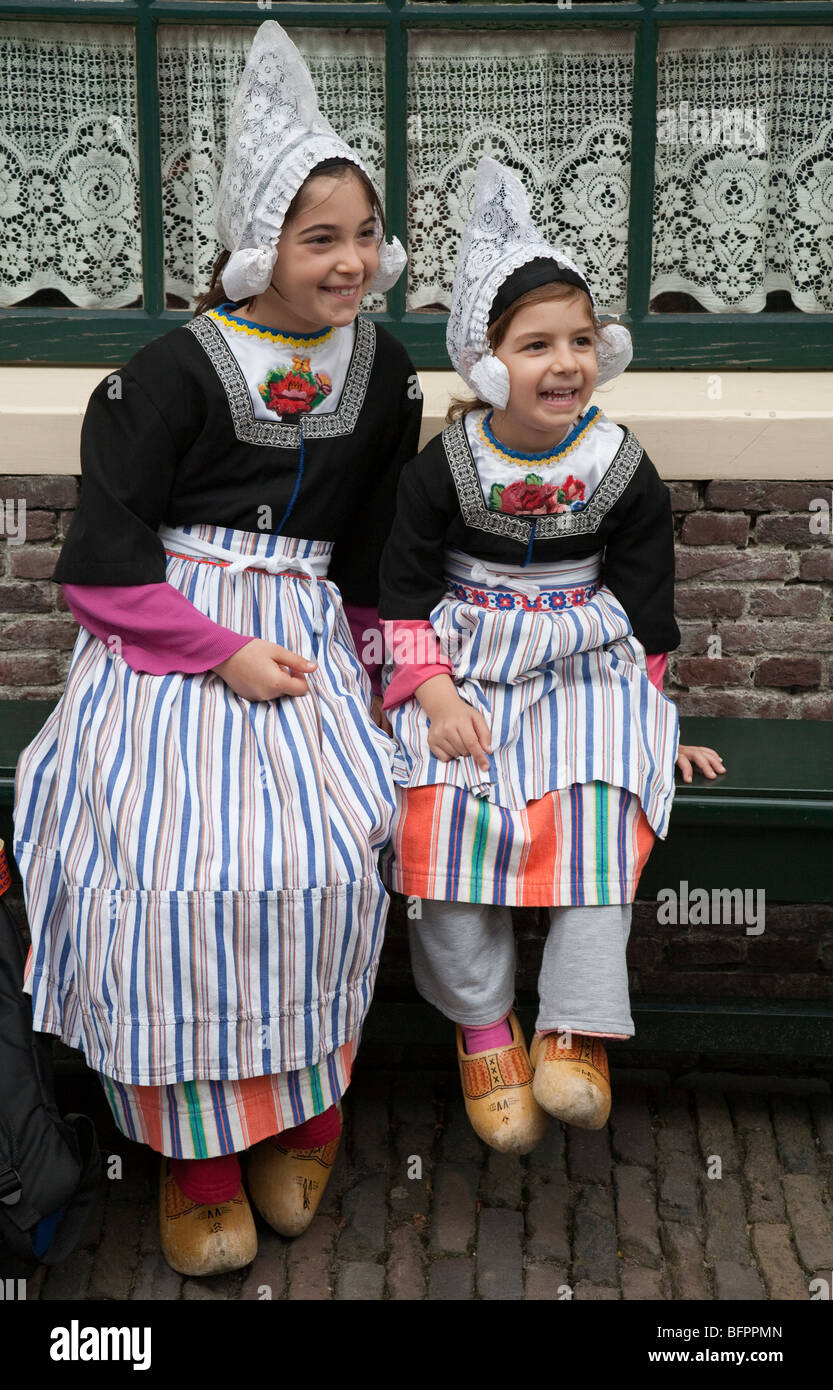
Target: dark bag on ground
x=49 y=1164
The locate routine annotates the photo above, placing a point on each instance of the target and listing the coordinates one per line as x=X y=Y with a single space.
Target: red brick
x=64 y=522
x=736 y=704
x=779 y=952
x=763 y=496
x=33 y=562
x=789 y=671
x=685 y=497
x=20 y=670
x=797 y=601
x=694 y=638
x=818 y=706
x=775 y=636
x=728 y=950
x=704 y=670
x=60 y=602
x=25 y=598
x=794 y=529
x=816 y=564
x=750 y=567
x=703 y=602
x=43 y=490
x=712 y=528
x=39 y=633
x=40 y=526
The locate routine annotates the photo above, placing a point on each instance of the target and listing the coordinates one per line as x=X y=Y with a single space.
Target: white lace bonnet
x=498 y=239
x=276 y=135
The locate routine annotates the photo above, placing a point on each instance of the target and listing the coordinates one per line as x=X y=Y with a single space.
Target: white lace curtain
x=744 y=202
x=733 y=219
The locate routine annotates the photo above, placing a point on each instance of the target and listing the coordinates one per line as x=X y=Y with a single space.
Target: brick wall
x=792 y=959
x=753 y=598
x=753 y=601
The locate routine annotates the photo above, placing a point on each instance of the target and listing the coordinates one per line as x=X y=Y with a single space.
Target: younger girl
x=529 y=571
x=197 y=825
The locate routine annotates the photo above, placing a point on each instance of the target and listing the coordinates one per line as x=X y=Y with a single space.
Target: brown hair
x=332 y=168
x=556 y=290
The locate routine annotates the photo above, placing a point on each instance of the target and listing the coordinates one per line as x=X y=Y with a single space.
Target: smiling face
x=549 y=351
x=327 y=256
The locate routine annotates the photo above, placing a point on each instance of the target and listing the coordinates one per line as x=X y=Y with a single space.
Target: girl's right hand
x=456 y=730
x=259 y=671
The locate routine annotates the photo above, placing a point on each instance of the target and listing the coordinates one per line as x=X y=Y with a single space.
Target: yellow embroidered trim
x=308 y=342
x=535 y=459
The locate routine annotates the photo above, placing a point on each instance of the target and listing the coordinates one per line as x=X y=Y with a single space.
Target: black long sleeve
x=354 y=565
x=639 y=560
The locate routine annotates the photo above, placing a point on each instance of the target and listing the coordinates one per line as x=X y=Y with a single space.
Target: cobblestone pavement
x=707 y=1186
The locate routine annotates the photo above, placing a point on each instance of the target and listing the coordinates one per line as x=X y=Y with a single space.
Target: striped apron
x=200 y=870
x=581 y=773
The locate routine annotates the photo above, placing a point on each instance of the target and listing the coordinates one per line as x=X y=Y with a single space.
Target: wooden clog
x=200 y=1240
x=497 y=1090
x=286 y=1185
x=572 y=1078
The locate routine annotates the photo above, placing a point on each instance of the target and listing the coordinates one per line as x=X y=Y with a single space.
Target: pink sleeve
x=364 y=622
x=158 y=629
x=656 y=668
x=416 y=657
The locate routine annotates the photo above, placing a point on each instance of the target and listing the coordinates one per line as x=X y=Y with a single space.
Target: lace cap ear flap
x=392 y=262
x=614 y=351
x=248 y=271
x=490 y=379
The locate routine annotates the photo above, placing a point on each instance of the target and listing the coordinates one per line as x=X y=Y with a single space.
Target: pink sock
x=488 y=1035
x=207 y=1180
x=314 y=1133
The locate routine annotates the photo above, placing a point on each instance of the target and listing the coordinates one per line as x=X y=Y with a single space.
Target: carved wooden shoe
x=286 y=1185
x=497 y=1090
x=202 y=1240
x=573 y=1082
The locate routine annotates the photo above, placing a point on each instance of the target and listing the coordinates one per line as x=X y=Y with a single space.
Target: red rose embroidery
x=536 y=499
x=292 y=396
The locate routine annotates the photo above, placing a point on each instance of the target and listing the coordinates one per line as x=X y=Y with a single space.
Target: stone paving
x=703 y=1186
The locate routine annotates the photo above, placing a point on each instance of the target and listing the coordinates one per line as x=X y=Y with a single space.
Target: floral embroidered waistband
x=503 y=600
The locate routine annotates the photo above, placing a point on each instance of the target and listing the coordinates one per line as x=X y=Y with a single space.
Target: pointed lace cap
x=499 y=238
x=276 y=136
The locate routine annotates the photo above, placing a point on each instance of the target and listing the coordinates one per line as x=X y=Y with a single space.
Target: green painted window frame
x=662 y=341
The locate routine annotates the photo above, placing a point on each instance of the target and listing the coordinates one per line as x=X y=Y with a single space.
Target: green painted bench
x=767 y=824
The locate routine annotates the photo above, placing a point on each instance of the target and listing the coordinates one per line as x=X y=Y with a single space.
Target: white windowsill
x=686 y=432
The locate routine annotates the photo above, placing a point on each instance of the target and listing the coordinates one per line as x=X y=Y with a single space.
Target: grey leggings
x=463 y=959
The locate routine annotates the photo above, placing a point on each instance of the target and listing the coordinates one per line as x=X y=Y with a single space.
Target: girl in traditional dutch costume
x=198 y=823
x=528 y=583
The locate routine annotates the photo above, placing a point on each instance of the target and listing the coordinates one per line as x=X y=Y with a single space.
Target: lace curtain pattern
x=555 y=107
x=744 y=171
x=743 y=201
x=69 y=158
x=69 y=164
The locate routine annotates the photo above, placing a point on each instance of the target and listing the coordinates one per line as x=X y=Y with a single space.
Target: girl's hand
x=457 y=730
x=263 y=671
x=704 y=759
x=377 y=714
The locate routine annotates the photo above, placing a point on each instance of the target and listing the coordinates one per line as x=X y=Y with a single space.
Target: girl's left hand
x=377 y=714
x=704 y=759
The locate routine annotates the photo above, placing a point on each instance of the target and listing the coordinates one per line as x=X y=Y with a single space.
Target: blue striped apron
x=201 y=870
x=550 y=660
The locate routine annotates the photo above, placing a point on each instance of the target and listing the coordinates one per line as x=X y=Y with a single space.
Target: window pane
x=199 y=71
x=744 y=169
x=69 y=165
x=556 y=107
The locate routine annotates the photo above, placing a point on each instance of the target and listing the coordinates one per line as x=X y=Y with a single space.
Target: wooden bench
x=767 y=824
